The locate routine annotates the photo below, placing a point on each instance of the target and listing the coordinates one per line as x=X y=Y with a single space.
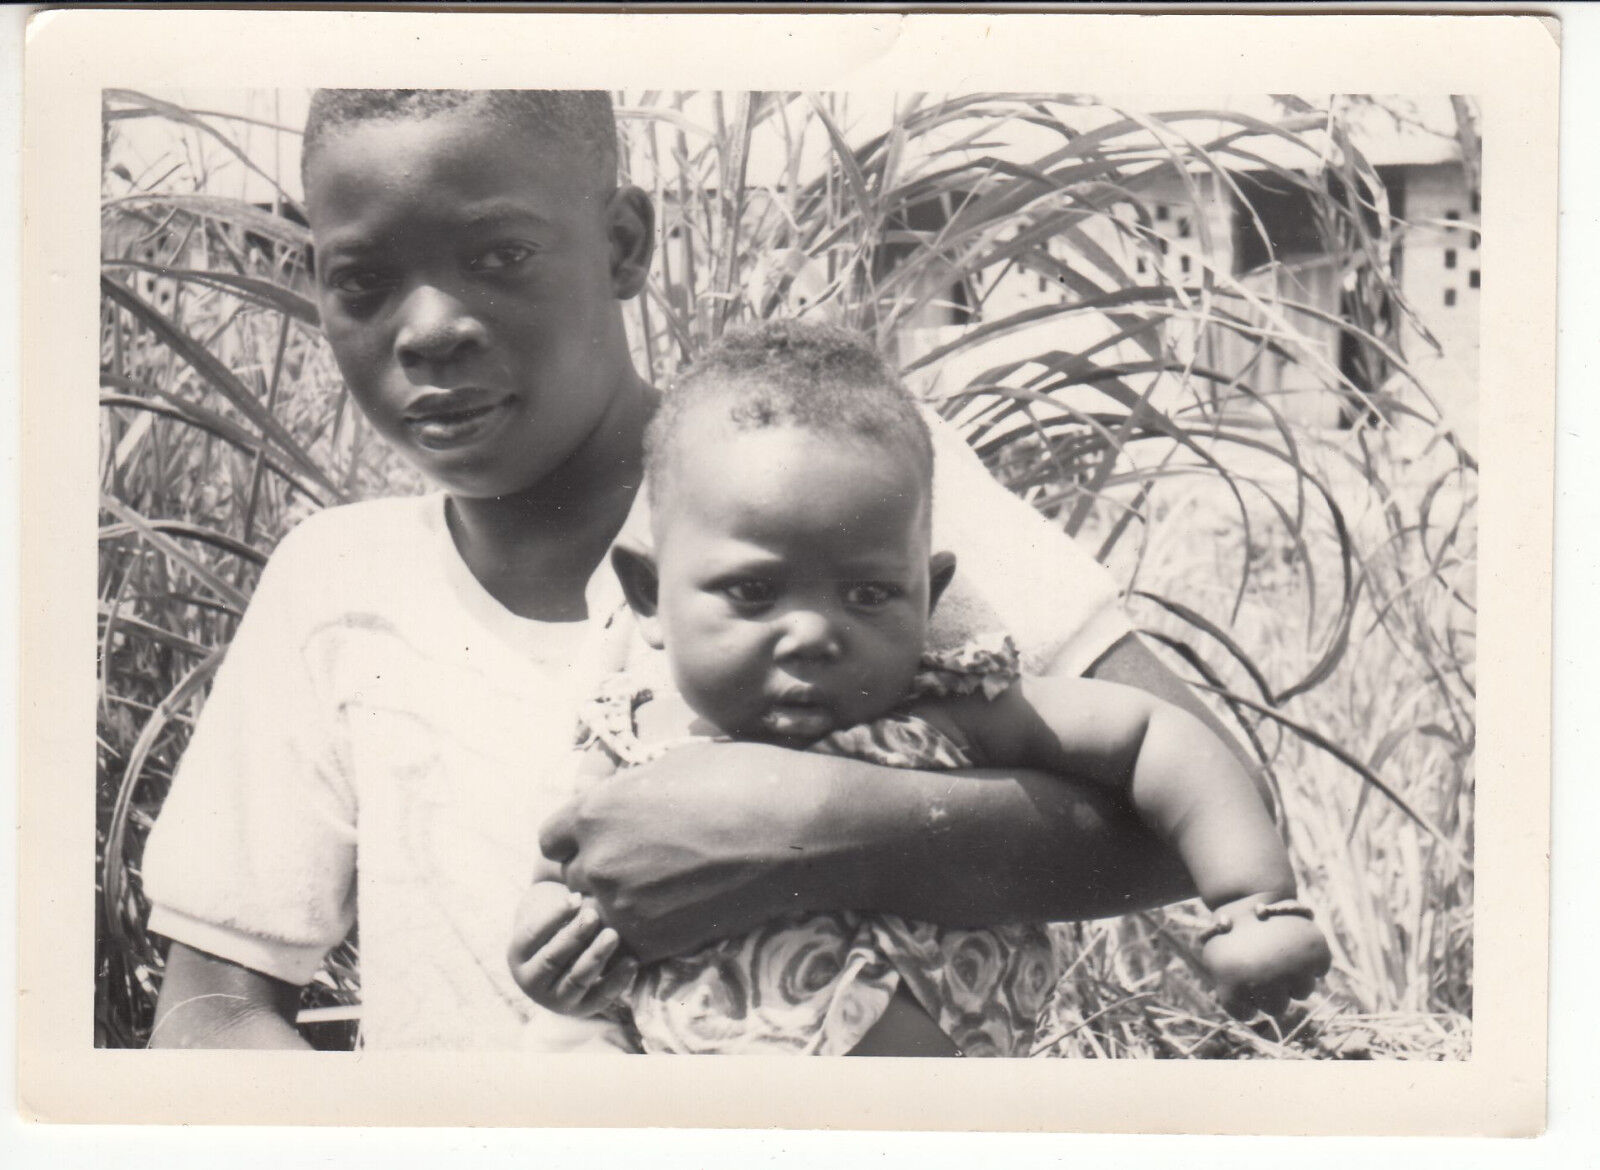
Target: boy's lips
x=455 y=418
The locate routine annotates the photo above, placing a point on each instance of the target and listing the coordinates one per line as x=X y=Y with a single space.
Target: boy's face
x=467 y=286
x=793 y=579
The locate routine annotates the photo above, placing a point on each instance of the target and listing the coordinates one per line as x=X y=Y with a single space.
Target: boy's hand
x=1261 y=964
x=563 y=956
x=694 y=846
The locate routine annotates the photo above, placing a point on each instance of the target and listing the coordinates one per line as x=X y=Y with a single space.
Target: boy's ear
x=636 y=570
x=941 y=568
x=631 y=227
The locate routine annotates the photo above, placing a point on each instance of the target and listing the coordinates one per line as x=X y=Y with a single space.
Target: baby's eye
x=751 y=592
x=870 y=594
x=501 y=257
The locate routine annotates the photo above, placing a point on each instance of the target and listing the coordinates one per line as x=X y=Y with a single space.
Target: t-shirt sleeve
x=253 y=857
x=1015 y=571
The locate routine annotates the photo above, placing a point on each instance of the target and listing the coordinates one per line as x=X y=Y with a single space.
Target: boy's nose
x=435 y=328
x=810 y=634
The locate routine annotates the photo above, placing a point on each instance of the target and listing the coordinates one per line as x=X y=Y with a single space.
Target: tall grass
x=1314 y=579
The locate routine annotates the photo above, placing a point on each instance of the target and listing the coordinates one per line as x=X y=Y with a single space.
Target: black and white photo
x=589 y=567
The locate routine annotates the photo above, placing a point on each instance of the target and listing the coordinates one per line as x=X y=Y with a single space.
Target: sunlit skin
x=794 y=580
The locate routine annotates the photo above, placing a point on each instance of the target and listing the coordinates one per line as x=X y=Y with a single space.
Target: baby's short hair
x=581 y=120
x=818 y=378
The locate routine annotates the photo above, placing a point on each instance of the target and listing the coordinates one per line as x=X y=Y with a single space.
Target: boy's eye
x=870 y=594
x=358 y=282
x=751 y=592
x=501 y=257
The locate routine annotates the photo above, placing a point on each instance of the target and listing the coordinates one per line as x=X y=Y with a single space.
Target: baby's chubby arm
x=562 y=955
x=1190 y=789
x=1185 y=783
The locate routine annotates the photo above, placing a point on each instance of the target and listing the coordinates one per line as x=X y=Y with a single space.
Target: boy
x=399 y=694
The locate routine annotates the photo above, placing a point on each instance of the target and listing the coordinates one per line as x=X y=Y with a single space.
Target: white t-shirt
x=385 y=735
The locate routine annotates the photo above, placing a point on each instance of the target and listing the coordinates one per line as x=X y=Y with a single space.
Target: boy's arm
x=251 y=866
x=715 y=840
x=207 y=1002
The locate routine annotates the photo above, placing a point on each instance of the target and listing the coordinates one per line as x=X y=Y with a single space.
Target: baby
x=790 y=586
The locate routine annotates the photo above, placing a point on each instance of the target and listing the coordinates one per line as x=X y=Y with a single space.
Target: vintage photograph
x=833 y=571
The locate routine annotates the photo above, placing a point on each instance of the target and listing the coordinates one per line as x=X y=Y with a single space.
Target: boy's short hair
x=582 y=120
x=818 y=378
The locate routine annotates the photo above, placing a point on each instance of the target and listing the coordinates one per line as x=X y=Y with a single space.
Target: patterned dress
x=816 y=983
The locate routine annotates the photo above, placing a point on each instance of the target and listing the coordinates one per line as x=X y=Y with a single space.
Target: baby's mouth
x=798 y=717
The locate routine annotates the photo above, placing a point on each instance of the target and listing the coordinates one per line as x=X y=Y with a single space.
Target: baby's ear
x=631 y=228
x=636 y=570
x=941 y=567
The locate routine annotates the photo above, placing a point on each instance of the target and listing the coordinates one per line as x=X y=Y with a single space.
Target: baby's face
x=793 y=579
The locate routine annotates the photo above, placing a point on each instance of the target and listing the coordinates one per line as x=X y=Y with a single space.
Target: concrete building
x=1256 y=229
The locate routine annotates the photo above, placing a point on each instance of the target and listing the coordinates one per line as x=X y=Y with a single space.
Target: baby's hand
x=562 y=956
x=1263 y=963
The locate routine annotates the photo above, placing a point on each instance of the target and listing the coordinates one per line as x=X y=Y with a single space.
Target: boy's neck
x=535 y=551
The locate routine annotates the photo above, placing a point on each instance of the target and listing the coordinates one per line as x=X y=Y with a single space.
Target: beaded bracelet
x=1223 y=923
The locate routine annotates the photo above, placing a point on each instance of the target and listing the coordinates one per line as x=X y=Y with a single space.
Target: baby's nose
x=809 y=633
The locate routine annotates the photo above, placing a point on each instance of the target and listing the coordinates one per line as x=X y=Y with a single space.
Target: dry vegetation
x=1318 y=581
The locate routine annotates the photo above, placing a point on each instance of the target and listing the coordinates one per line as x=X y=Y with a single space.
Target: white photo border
x=1509 y=63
